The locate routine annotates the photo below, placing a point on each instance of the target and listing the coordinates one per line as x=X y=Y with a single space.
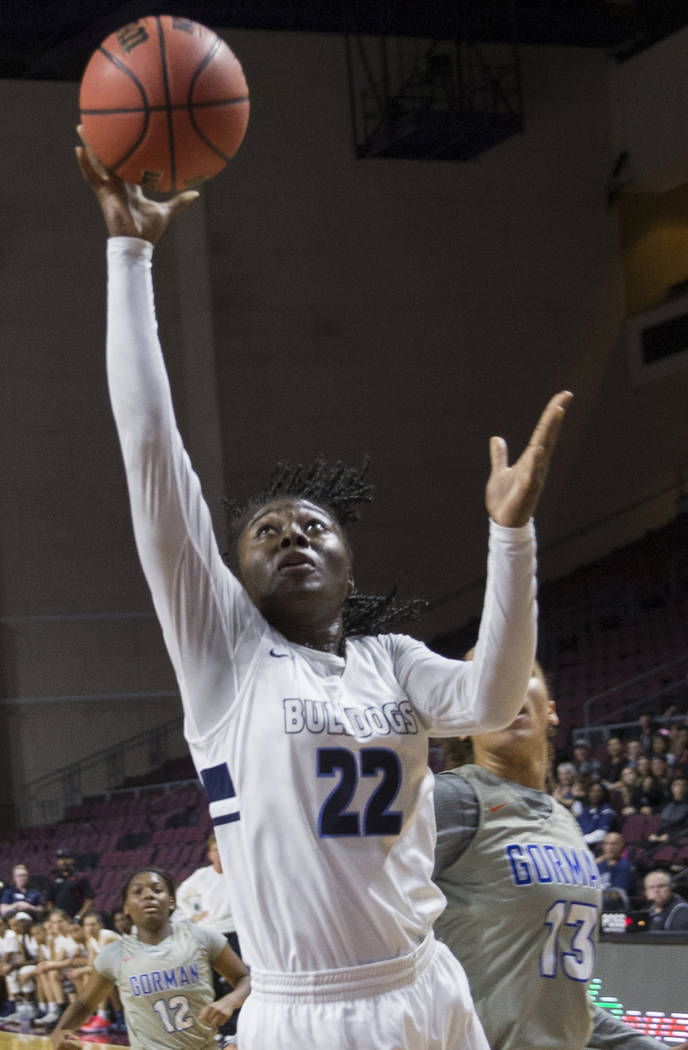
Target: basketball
x=164 y=103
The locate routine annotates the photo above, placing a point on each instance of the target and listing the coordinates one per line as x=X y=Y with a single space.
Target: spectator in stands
x=627 y=792
x=18 y=897
x=646 y=727
x=652 y=795
x=660 y=745
x=586 y=765
x=9 y=946
x=20 y=958
x=60 y=954
x=563 y=788
x=95 y=938
x=675 y=814
x=121 y=922
x=659 y=768
x=679 y=748
x=204 y=897
x=633 y=752
x=668 y=911
x=597 y=817
x=643 y=765
x=69 y=891
x=614 y=763
x=616 y=871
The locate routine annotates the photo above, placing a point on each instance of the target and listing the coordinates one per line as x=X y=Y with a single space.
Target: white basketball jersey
x=315 y=766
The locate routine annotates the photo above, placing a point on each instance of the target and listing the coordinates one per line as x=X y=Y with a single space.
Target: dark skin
x=305 y=604
x=149 y=904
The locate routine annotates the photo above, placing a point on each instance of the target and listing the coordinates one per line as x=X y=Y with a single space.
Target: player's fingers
x=498 y=453
x=182 y=200
x=95 y=163
x=549 y=424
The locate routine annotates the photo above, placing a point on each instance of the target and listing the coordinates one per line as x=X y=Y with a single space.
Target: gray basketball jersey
x=164 y=987
x=523 y=904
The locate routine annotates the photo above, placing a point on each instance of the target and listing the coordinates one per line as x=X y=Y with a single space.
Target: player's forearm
x=609 y=1033
x=505 y=652
x=73 y=1017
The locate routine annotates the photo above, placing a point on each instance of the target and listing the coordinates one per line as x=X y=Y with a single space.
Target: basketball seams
x=217 y=44
x=168 y=102
x=145 y=109
x=177 y=115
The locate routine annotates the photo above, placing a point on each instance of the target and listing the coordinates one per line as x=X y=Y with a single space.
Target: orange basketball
x=164 y=103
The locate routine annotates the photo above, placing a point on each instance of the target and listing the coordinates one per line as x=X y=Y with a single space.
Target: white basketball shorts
x=416 y=1002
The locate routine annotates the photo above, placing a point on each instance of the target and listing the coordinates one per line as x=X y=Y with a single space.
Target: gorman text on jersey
x=537 y=862
x=163 y=980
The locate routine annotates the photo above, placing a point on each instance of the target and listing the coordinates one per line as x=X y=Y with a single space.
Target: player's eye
x=265 y=529
x=314 y=525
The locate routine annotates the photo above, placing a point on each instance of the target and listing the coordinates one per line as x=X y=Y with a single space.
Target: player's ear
x=351 y=586
x=552 y=716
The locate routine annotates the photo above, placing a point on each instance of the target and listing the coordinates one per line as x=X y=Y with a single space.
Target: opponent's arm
x=233 y=969
x=64 y=1036
x=609 y=1033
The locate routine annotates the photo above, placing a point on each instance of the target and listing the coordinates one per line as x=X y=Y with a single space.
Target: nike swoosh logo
x=493 y=809
x=273 y=652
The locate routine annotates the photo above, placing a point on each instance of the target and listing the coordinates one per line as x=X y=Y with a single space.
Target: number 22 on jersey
x=336 y=820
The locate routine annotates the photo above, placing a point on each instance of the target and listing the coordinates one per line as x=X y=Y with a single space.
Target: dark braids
x=332 y=486
x=340 y=490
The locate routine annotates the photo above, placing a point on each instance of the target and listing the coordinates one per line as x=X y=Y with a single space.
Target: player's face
x=293 y=558
x=528 y=731
x=148 y=901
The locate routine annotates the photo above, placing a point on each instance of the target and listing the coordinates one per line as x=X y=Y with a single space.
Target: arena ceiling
x=52 y=39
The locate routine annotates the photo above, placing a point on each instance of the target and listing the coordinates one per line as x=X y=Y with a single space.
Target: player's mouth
x=294 y=562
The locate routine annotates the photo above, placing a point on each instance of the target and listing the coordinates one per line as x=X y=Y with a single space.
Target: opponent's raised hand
x=126 y=211
x=513 y=492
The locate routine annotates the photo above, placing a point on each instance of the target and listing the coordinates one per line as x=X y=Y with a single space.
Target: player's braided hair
x=340 y=490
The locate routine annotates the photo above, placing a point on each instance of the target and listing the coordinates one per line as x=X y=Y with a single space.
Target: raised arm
x=487 y=693
x=196 y=599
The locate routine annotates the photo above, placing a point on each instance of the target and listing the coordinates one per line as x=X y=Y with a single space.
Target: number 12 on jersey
x=577 y=960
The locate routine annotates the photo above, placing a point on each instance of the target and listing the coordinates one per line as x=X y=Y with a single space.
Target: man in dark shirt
x=69 y=890
x=668 y=911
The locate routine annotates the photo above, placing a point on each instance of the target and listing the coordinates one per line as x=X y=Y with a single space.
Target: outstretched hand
x=126 y=211
x=512 y=493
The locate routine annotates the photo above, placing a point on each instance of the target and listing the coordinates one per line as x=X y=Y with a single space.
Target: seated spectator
x=562 y=791
x=9 y=946
x=652 y=796
x=660 y=745
x=579 y=790
x=586 y=765
x=674 y=814
x=679 y=749
x=668 y=911
x=633 y=752
x=659 y=768
x=614 y=763
x=69 y=891
x=643 y=766
x=616 y=871
x=646 y=727
x=597 y=817
x=95 y=937
x=627 y=792
x=18 y=897
x=121 y=922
